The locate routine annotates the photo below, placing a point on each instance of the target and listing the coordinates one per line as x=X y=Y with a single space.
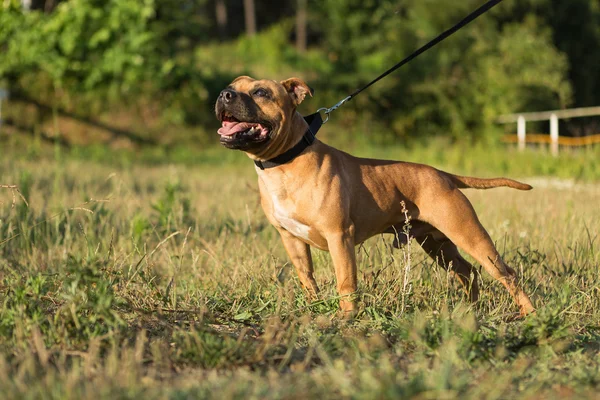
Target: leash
x=315 y=120
x=464 y=22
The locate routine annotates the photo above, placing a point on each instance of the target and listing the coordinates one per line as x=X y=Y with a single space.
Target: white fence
x=552 y=116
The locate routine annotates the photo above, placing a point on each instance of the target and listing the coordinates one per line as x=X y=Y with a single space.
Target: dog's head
x=258 y=114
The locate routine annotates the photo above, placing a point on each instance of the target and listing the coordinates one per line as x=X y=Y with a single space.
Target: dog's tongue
x=231 y=128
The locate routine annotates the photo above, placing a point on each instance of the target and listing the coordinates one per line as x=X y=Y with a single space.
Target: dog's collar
x=314 y=123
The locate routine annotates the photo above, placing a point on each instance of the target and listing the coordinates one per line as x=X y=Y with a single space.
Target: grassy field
x=127 y=280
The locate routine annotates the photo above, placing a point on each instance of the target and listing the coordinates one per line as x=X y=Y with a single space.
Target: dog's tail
x=465 y=182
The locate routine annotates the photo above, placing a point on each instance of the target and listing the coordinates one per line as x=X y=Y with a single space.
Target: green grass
x=170 y=283
x=579 y=164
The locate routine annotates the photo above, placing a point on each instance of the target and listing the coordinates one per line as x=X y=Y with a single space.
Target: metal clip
x=328 y=111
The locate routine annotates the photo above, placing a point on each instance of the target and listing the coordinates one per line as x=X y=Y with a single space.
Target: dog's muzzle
x=237 y=131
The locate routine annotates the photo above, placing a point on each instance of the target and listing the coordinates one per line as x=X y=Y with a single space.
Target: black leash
x=315 y=121
x=464 y=22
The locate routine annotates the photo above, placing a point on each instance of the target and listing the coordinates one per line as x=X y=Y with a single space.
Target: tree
x=457 y=88
x=250 y=17
x=221 y=14
x=301 y=26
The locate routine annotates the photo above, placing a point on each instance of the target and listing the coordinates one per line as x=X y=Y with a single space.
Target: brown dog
x=333 y=201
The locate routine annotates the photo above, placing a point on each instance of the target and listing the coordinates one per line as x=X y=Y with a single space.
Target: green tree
x=94 y=55
x=575 y=28
x=460 y=86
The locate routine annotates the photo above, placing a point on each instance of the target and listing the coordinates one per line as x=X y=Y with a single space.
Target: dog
x=322 y=197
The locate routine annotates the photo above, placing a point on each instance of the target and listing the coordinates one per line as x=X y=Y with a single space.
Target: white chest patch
x=283 y=215
x=283 y=211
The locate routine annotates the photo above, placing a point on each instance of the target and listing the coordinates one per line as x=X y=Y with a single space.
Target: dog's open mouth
x=233 y=130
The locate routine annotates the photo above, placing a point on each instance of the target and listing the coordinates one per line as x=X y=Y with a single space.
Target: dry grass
x=15 y=191
x=175 y=286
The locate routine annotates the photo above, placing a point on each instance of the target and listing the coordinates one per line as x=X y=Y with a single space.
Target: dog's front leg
x=341 y=248
x=299 y=253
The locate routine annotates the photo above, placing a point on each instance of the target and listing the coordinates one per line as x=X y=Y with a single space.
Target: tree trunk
x=301 y=25
x=250 y=15
x=221 y=13
x=49 y=6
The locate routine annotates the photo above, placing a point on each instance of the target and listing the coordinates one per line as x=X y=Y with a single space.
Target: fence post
x=554 y=134
x=521 y=132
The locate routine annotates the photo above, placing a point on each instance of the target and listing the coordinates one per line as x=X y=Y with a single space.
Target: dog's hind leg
x=446 y=255
x=455 y=217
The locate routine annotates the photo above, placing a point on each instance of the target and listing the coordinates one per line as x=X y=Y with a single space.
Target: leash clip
x=328 y=111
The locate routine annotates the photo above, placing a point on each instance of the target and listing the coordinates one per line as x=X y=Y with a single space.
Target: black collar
x=314 y=123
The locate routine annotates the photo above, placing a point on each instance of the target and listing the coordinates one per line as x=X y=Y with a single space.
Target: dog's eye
x=261 y=93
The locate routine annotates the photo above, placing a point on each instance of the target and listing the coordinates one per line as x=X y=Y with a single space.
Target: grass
x=130 y=280
x=579 y=164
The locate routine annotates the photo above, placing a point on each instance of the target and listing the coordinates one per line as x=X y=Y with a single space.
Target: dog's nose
x=227 y=95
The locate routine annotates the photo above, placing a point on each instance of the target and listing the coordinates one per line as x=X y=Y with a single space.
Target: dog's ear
x=297 y=89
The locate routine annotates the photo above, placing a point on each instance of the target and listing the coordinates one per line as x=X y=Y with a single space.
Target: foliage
x=575 y=27
x=459 y=88
x=160 y=59
x=100 y=52
x=83 y=45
